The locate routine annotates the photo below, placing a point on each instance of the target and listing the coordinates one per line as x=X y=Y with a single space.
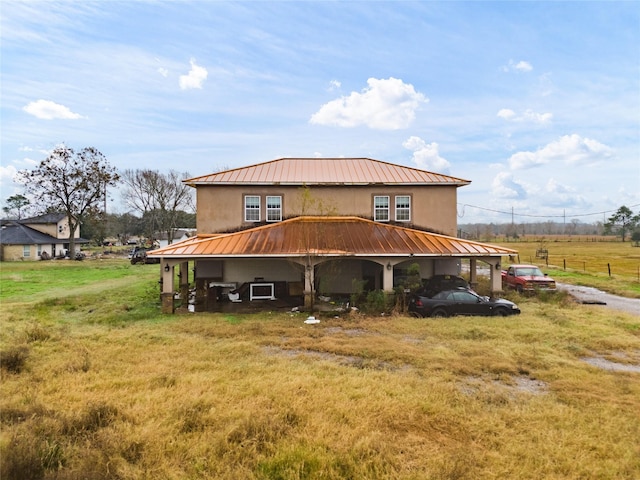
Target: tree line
x=623 y=224
x=76 y=184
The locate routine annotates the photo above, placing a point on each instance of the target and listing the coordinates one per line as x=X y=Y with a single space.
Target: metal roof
x=328 y=236
x=326 y=171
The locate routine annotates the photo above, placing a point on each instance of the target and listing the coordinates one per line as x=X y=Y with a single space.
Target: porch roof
x=328 y=236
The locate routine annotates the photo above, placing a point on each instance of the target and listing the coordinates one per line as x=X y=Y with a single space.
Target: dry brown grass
x=266 y=396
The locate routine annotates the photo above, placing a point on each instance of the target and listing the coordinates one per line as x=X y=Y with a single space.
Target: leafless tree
x=159 y=197
x=74 y=182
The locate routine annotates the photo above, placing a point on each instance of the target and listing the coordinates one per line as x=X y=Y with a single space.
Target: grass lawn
x=97 y=383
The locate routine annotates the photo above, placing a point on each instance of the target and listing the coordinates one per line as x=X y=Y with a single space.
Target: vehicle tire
x=500 y=312
x=519 y=289
x=439 y=313
x=416 y=315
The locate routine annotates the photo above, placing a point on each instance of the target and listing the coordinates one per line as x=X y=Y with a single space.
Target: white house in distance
x=298 y=226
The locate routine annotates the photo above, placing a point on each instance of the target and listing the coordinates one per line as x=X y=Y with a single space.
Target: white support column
x=387 y=277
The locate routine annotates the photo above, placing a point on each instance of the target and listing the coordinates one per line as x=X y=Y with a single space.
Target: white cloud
x=505 y=186
x=568 y=149
x=426 y=155
x=163 y=71
x=48 y=110
x=528 y=116
x=334 y=85
x=506 y=113
x=195 y=78
x=384 y=105
x=521 y=66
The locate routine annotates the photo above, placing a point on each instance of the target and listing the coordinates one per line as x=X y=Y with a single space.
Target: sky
x=536 y=103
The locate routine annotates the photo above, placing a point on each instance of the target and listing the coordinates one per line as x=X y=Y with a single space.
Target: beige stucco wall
x=221 y=207
x=56 y=230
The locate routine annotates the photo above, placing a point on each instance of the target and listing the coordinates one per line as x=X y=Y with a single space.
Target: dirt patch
x=509 y=387
x=612 y=366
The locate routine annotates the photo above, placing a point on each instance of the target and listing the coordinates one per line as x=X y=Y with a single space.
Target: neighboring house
x=35 y=238
x=322 y=225
x=179 y=235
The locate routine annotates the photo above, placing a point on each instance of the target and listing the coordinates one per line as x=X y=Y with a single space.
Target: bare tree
x=159 y=197
x=74 y=182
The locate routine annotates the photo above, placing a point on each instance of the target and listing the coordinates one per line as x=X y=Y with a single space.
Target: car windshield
x=529 y=271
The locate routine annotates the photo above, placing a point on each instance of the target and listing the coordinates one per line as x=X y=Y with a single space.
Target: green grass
x=586 y=262
x=97 y=383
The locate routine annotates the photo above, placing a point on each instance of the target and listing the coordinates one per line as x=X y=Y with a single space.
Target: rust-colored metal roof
x=328 y=236
x=326 y=171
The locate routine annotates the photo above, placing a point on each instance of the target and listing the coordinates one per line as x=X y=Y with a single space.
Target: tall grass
x=129 y=393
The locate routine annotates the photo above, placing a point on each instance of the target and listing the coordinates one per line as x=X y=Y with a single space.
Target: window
x=403 y=208
x=381 y=209
x=252 y=208
x=274 y=209
x=26 y=250
x=39 y=250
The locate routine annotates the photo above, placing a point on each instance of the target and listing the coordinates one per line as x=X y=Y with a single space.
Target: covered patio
x=310 y=253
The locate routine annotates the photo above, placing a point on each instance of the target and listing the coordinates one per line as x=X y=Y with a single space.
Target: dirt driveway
x=599 y=298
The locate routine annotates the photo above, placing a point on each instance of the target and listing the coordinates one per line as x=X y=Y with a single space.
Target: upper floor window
x=403 y=208
x=274 y=209
x=381 y=208
x=252 y=208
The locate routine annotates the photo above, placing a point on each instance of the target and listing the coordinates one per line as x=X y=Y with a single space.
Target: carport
x=296 y=250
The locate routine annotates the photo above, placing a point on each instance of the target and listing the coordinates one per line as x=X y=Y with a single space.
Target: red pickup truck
x=527 y=278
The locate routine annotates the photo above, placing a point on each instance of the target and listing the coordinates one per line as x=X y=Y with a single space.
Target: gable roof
x=328 y=236
x=326 y=171
x=14 y=233
x=45 y=218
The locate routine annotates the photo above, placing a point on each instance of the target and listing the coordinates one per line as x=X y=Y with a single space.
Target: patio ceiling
x=327 y=236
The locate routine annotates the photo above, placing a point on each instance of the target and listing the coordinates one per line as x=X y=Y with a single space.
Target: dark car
x=439 y=283
x=140 y=256
x=460 y=302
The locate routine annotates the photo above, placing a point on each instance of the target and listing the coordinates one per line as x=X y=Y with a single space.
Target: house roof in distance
x=14 y=233
x=328 y=236
x=326 y=171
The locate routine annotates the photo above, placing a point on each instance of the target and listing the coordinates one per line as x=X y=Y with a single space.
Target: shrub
x=13 y=359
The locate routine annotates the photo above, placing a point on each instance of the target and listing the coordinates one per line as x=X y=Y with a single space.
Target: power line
x=513 y=214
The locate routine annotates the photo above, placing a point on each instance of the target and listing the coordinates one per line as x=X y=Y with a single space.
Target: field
x=97 y=383
x=611 y=266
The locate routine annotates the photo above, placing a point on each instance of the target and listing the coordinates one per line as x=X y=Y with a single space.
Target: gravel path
x=602 y=299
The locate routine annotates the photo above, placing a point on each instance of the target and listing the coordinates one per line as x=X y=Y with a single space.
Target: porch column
x=495 y=273
x=387 y=277
x=167 y=287
x=473 y=272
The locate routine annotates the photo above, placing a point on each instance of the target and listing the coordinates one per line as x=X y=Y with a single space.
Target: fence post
x=564 y=264
x=609 y=268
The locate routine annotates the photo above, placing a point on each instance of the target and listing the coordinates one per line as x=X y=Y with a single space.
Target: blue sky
x=537 y=103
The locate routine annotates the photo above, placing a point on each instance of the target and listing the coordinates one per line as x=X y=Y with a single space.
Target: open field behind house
x=585 y=262
x=96 y=383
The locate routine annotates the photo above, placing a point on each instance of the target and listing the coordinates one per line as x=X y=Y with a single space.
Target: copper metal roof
x=319 y=171
x=328 y=236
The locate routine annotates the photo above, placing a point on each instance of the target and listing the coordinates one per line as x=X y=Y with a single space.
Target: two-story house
x=321 y=225
x=35 y=238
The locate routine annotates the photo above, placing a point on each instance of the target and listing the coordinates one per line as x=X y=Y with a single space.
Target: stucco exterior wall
x=221 y=207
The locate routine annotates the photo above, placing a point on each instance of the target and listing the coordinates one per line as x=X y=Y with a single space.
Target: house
x=36 y=238
x=179 y=234
x=320 y=225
